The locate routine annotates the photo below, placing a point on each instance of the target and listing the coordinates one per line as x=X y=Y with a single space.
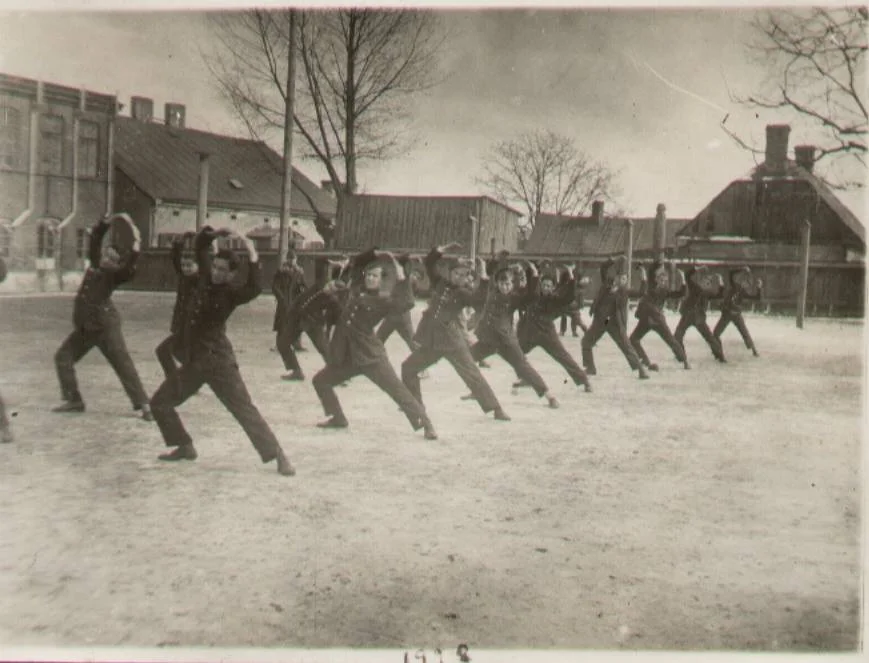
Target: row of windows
x=51 y=143
x=46 y=241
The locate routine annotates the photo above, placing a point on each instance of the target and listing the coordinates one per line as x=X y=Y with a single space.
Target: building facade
x=160 y=165
x=55 y=178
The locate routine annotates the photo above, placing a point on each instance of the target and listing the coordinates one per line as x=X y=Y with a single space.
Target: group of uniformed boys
x=354 y=306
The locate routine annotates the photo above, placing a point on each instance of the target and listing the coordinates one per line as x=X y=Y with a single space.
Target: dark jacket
x=736 y=294
x=496 y=322
x=185 y=291
x=440 y=328
x=542 y=310
x=93 y=309
x=204 y=335
x=696 y=302
x=651 y=304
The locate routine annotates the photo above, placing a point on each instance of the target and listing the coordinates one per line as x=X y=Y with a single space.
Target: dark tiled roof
x=164 y=163
x=558 y=234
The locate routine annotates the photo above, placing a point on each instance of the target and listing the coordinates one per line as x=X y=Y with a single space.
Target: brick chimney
x=142 y=109
x=777 y=148
x=174 y=115
x=597 y=212
x=805 y=156
x=659 y=240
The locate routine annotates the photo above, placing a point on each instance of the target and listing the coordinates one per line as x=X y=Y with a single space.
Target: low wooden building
x=758 y=219
x=417 y=223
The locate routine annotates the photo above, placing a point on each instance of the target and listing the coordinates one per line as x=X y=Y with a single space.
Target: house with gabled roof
x=158 y=165
x=758 y=220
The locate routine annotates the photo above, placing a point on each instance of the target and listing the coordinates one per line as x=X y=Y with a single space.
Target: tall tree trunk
x=350 y=105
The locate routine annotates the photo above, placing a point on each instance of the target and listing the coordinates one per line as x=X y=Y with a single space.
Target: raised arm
x=98 y=231
x=128 y=269
x=253 y=285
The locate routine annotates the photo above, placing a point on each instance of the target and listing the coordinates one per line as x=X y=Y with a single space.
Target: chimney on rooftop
x=174 y=115
x=777 y=148
x=805 y=156
x=597 y=212
x=142 y=109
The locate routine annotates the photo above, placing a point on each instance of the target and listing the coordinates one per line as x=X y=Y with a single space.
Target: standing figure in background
x=287 y=286
x=609 y=316
x=731 y=307
x=574 y=309
x=187 y=273
x=208 y=357
x=700 y=290
x=97 y=323
x=650 y=314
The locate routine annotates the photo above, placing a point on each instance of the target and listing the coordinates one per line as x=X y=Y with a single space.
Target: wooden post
x=629 y=248
x=804 y=272
x=202 y=206
x=473 y=243
x=289 y=109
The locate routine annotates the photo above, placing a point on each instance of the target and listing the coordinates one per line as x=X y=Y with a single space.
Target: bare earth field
x=711 y=509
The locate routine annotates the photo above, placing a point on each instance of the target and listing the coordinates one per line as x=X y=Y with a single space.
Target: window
x=81 y=242
x=88 y=149
x=10 y=137
x=45 y=238
x=51 y=144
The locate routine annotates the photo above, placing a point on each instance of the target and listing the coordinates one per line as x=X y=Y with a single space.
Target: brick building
x=55 y=178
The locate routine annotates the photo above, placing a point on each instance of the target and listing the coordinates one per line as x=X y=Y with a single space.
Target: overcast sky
x=644 y=90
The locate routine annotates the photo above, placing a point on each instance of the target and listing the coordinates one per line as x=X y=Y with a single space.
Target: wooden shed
x=419 y=222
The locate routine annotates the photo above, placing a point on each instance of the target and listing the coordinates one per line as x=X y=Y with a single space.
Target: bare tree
x=816 y=62
x=545 y=172
x=358 y=70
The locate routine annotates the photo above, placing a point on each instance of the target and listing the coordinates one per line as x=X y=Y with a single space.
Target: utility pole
x=287 y=188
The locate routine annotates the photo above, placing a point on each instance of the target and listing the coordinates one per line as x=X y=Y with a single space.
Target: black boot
x=182 y=452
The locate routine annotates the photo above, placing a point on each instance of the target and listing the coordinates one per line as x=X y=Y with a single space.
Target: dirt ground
x=711 y=509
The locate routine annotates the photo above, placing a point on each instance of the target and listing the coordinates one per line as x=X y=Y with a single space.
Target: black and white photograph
x=432 y=333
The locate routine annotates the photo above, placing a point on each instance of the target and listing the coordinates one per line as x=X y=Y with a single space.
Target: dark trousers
x=461 y=360
x=380 y=373
x=4 y=418
x=575 y=322
x=510 y=352
x=552 y=345
x=618 y=333
x=225 y=381
x=288 y=338
x=167 y=353
x=644 y=326
x=736 y=318
x=698 y=321
x=110 y=341
x=403 y=324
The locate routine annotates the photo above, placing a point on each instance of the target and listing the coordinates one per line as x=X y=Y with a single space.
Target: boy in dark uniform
x=356 y=350
x=287 y=286
x=537 y=328
x=496 y=334
x=574 y=309
x=400 y=322
x=440 y=333
x=208 y=357
x=97 y=322
x=186 y=271
x=609 y=316
x=699 y=291
x=650 y=314
x=731 y=307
